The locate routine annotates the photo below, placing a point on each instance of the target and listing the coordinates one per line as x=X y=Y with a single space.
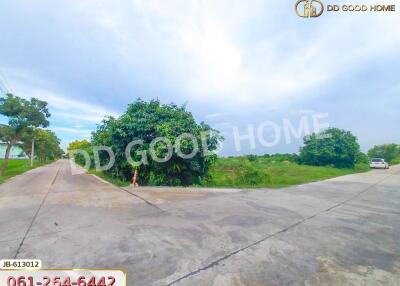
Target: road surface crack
x=36 y=214
x=143 y=199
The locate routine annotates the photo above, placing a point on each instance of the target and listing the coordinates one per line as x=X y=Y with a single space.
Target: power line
x=4 y=86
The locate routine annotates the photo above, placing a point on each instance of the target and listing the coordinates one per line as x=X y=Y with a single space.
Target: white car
x=379 y=163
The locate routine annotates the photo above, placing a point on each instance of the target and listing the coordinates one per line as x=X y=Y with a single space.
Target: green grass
x=16 y=167
x=272 y=174
x=108 y=178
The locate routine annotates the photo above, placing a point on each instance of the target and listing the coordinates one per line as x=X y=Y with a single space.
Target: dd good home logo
x=315 y=8
x=309 y=8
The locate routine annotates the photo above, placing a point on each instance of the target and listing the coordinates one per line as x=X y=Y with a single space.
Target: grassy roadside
x=16 y=167
x=262 y=173
x=235 y=172
x=108 y=178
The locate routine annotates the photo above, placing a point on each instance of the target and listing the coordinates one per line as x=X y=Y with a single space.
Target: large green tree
x=331 y=147
x=389 y=152
x=47 y=144
x=23 y=115
x=147 y=121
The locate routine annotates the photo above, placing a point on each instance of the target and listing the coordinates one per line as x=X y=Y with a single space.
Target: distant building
x=16 y=152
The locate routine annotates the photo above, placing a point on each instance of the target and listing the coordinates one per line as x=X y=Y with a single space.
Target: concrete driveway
x=343 y=231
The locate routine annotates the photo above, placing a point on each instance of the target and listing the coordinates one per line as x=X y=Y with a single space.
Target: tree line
x=146 y=121
x=389 y=152
x=26 y=122
x=337 y=148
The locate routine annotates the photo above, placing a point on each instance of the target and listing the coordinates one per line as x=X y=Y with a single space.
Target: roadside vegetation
x=144 y=122
x=23 y=116
x=26 y=120
x=268 y=171
x=47 y=145
x=389 y=152
x=271 y=171
x=17 y=167
x=331 y=153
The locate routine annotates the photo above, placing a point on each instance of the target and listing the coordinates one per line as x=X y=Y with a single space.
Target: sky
x=233 y=63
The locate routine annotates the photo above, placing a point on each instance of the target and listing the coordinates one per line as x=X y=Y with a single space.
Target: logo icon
x=306 y=9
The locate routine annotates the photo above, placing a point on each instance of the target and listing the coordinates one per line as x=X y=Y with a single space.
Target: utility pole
x=33 y=147
x=33 y=151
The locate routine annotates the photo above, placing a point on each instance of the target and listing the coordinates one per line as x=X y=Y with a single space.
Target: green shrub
x=252 y=158
x=362 y=158
x=248 y=174
x=85 y=146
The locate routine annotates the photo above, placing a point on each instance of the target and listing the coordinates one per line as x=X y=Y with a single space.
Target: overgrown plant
x=146 y=121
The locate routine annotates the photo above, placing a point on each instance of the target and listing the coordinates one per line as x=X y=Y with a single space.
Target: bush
x=79 y=158
x=252 y=158
x=333 y=146
x=147 y=121
x=247 y=174
x=362 y=158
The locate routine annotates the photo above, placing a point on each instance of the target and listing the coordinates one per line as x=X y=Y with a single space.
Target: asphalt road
x=343 y=231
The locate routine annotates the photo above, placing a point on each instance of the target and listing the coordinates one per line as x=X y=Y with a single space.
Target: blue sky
x=233 y=63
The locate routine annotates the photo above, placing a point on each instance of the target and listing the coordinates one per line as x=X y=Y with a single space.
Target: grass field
x=263 y=172
x=16 y=167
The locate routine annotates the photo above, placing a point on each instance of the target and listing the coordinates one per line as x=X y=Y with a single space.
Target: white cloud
x=228 y=52
x=71 y=108
x=69 y=115
x=61 y=106
x=211 y=55
x=217 y=115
